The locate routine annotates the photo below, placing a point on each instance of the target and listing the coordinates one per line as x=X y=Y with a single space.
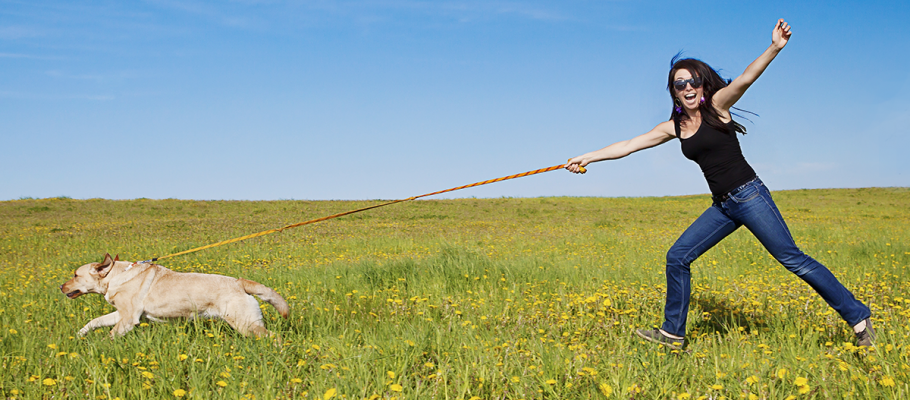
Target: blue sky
x=391 y=99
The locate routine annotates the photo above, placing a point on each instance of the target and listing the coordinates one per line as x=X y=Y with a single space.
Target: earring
x=676 y=103
x=702 y=100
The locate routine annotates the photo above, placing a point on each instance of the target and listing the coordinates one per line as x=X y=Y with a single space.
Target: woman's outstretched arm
x=660 y=134
x=728 y=96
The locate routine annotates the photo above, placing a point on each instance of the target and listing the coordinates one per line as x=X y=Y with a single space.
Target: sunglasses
x=681 y=83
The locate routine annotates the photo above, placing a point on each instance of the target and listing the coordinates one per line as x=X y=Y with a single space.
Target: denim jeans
x=750 y=205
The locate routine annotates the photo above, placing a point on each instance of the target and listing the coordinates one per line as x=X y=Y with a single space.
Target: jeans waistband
x=726 y=196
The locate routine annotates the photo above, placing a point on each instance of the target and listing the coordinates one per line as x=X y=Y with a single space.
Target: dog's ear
x=105 y=266
x=117 y=258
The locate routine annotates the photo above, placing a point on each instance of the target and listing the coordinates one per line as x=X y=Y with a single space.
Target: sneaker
x=865 y=338
x=656 y=336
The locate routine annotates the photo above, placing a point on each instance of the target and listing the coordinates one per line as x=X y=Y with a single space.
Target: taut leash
x=312 y=221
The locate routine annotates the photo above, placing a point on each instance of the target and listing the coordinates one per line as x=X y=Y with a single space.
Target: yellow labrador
x=148 y=290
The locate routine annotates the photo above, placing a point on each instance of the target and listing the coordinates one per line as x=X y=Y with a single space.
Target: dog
x=148 y=290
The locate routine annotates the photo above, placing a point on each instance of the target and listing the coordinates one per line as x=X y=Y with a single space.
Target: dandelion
x=717 y=386
x=551 y=381
x=683 y=396
x=605 y=389
x=886 y=381
x=329 y=394
x=148 y=375
x=182 y=357
x=179 y=393
x=516 y=379
x=296 y=380
x=781 y=373
x=48 y=382
x=221 y=383
x=390 y=374
x=396 y=388
x=752 y=380
x=13 y=332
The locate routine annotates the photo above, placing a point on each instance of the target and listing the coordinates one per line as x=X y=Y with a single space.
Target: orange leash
x=263 y=233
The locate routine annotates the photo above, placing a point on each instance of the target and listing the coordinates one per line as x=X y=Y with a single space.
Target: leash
x=388 y=203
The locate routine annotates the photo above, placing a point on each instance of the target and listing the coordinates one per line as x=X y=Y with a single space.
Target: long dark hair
x=711 y=82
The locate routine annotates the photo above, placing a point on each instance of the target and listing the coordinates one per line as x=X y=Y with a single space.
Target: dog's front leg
x=104 y=320
x=128 y=319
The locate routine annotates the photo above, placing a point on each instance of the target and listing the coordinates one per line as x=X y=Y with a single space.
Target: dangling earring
x=676 y=103
x=702 y=100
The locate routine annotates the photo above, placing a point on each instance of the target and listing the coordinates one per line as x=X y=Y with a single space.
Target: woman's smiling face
x=689 y=96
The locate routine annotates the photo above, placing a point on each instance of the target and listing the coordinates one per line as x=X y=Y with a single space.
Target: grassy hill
x=457 y=299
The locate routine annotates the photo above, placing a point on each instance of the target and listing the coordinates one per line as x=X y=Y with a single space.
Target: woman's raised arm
x=728 y=96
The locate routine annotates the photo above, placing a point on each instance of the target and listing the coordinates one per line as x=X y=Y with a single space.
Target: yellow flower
x=800 y=381
x=13 y=332
x=753 y=396
x=605 y=389
x=182 y=357
x=717 y=386
x=179 y=393
x=296 y=380
x=221 y=383
x=48 y=382
x=790 y=397
x=516 y=379
x=886 y=381
x=396 y=388
x=551 y=381
x=390 y=374
x=52 y=346
x=148 y=375
x=683 y=396
x=752 y=379
x=329 y=394
x=781 y=373
x=804 y=389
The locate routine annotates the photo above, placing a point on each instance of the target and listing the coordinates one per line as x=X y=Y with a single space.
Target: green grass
x=455 y=299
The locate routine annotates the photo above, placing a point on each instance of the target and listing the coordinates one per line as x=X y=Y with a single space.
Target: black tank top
x=719 y=156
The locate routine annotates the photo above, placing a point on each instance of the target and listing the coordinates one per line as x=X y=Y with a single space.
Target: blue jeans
x=750 y=205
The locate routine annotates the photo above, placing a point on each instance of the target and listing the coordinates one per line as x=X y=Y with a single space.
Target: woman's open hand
x=781 y=34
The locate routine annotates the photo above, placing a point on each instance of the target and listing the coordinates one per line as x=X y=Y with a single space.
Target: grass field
x=460 y=299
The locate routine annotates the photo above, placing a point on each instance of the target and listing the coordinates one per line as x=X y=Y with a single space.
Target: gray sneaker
x=656 y=336
x=865 y=338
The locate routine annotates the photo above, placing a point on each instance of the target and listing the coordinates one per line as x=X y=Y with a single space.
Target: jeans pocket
x=747 y=193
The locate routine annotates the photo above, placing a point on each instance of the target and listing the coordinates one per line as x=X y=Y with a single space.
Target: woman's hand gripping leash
x=576 y=165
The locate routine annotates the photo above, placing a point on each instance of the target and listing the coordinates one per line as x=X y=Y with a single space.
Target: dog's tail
x=266 y=294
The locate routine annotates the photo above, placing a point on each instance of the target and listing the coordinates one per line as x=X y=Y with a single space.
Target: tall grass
x=460 y=299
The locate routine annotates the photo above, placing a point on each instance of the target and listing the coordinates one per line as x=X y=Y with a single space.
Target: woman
x=701 y=120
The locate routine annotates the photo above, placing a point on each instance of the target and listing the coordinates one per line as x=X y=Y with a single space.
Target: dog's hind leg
x=245 y=316
x=104 y=320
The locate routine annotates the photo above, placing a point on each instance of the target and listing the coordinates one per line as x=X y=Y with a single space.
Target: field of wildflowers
x=460 y=299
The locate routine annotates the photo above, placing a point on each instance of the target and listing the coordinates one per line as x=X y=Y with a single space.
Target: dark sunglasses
x=681 y=84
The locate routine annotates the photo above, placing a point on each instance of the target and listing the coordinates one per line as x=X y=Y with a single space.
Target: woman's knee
x=677 y=259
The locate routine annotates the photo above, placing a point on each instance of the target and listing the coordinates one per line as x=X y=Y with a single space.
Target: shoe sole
x=667 y=345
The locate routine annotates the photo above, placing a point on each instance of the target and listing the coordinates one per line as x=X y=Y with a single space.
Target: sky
x=354 y=100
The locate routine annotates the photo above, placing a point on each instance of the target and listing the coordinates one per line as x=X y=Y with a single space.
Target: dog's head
x=87 y=278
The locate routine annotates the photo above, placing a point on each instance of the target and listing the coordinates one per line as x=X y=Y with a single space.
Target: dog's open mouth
x=74 y=294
